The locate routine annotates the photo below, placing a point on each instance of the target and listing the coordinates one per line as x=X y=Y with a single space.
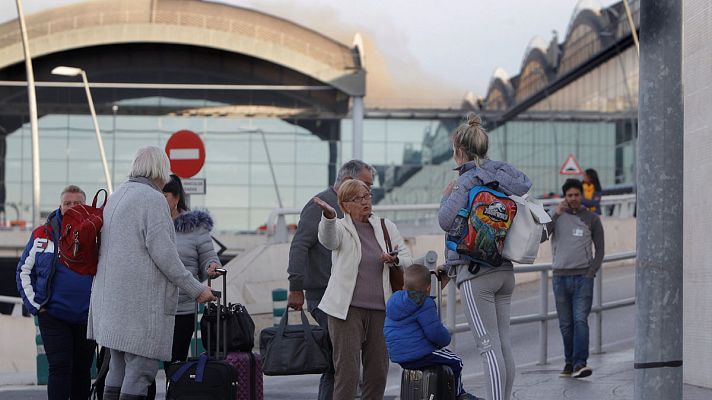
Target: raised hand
x=326 y=209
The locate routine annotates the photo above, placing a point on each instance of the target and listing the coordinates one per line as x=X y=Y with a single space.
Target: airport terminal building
x=266 y=94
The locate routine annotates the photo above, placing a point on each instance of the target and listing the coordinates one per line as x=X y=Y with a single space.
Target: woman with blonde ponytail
x=486 y=293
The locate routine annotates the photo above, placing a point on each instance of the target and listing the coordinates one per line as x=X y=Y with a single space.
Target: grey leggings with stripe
x=487 y=300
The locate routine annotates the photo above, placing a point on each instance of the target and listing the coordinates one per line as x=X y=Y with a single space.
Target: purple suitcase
x=249 y=374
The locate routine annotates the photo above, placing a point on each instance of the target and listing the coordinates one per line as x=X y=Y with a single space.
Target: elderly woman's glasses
x=360 y=199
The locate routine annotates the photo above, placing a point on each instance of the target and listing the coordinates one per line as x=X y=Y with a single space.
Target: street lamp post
x=32 y=99
x=73 y=71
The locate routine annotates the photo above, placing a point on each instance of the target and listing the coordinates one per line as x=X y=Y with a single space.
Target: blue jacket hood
x=404 y=304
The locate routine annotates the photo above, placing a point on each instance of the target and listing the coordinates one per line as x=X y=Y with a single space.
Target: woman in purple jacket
x=486 y=291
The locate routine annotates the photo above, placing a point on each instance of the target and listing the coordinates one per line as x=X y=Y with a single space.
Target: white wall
x=697 y=276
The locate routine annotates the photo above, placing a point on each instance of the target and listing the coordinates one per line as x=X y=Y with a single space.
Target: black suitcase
x=205 y=377
x=432 y=383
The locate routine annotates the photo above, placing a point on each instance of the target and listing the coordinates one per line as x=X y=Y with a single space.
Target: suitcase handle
x=221 y=328
x=438 y=291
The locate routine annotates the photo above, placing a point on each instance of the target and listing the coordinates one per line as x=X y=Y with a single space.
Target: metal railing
x=544 y=314
x=17 y=301
x=617 y=206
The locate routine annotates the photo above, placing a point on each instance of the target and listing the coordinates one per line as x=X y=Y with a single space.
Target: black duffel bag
x=295 y=349
x=238 y=327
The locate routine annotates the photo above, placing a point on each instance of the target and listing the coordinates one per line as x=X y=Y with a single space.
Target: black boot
x=111 y=393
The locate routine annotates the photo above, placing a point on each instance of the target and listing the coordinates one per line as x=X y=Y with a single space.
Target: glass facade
x=240 y=191
x=594 y=118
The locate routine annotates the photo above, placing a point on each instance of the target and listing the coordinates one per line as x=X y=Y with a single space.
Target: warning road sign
x=186 y=152
x=571 y=166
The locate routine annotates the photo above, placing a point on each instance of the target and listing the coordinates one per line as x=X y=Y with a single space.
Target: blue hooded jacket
x=412 y=328
x=44 y=282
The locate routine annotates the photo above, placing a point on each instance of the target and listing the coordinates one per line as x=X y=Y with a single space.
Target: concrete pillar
x=658 y=339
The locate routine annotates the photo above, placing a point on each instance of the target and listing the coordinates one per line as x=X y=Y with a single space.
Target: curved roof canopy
x=191 y=23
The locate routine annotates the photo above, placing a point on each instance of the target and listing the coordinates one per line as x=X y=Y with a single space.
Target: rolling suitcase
x=248 y=365
x=204 y=377
x=432 y=383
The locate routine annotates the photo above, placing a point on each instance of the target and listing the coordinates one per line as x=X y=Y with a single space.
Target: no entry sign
x=186 y=152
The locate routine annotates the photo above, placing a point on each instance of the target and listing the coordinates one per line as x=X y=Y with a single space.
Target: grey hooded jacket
x=195 y=248
x=511 y=181
x=135 y=290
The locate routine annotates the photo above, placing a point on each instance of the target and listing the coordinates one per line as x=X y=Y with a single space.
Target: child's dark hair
x=416 y=277
x=175 y=187
x=572 y=184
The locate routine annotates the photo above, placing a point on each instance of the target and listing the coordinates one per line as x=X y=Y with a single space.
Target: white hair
x=151 y=162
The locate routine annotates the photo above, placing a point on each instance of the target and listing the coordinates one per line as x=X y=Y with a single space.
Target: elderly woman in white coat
x=358 y=289
x=135 y=290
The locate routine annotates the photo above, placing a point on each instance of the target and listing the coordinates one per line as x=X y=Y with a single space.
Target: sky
x=417 y=51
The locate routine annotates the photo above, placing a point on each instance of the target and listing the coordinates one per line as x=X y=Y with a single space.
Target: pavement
x=612 y=378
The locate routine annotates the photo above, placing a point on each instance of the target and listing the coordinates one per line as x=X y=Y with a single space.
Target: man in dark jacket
x=59 y=297
x=574 y=229
x=310 y=263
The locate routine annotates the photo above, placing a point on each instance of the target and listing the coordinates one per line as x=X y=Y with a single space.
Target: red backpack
x=79 y=238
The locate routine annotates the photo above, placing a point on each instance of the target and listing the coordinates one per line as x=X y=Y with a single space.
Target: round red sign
x=186 y=152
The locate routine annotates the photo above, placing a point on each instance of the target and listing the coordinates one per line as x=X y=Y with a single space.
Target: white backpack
x=522 y=242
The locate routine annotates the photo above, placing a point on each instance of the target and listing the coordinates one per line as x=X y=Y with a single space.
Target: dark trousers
x=70 y=356
x=182 y=333
x=440 y=357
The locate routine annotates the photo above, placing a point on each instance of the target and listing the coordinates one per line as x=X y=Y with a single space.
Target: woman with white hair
x=135 y=291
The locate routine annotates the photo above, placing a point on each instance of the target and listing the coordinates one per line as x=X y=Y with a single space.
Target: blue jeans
x=574 y=295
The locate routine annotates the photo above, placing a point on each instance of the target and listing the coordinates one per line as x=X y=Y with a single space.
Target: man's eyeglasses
x=360 y=199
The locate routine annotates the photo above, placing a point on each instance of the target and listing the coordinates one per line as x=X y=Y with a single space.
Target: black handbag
x=237 y=325
x=295 y=349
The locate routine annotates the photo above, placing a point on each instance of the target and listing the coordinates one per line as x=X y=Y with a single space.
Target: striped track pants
x=487 y=302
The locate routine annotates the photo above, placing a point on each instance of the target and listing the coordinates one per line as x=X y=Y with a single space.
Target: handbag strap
x=386 y=236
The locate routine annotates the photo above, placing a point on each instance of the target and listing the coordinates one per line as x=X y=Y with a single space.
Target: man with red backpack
x=59 y=297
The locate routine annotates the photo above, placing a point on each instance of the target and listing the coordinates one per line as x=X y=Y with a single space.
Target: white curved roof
x=591 y=5
x=537 y=42
x=194 y=23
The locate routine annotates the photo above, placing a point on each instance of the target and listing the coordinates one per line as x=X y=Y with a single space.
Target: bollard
x=279 y=304
x=196 y=342
x=42 y=363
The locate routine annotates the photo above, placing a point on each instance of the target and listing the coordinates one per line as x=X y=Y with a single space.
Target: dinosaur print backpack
x=480 y=227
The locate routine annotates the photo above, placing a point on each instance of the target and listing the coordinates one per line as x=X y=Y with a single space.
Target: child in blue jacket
x=415 y=337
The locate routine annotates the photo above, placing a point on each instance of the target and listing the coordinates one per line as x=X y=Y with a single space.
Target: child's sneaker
x=567 y=371
x=582 y=371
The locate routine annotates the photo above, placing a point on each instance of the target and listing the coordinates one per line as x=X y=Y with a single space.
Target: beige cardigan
x=340 y=236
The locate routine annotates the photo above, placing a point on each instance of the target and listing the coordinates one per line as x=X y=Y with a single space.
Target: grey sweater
x=196 y=251
x=135 y=290
x=510 y=180
x=309 y=262
x=573 y=233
